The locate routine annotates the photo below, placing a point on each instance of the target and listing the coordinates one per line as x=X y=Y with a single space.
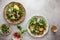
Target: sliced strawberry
x=18 y=36
x=15 y=35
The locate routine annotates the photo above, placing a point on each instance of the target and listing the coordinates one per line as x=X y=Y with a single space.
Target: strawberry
x=18 y=35
x=15 y=35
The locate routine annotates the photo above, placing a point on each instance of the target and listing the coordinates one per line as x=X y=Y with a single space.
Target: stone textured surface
x=50 y=9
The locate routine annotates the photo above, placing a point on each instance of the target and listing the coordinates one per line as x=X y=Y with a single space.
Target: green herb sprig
x=21 y=29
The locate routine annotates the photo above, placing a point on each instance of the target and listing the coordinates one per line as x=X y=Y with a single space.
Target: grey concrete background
x=50 y=9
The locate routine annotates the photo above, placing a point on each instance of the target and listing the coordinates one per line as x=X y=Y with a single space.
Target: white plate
x=45 y=32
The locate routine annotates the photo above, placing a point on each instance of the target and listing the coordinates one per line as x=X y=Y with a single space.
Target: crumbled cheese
x=38 y=20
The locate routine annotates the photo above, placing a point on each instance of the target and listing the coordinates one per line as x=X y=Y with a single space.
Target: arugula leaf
x=12 y=4
x=19 y=27
x=23 y=31
x=10 y=9
x=33 y=21
x=4 y=28
x=8 y=16
x=42 y=23
x=35 y=32
x=21 y=11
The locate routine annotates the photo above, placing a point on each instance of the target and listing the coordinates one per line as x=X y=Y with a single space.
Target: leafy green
x=16 y=18
x=4 y=28
x=14 y=10
x=19 y=27
x=12 y=4
x=10 y=9
x=42 y=23
x=21 y=12
x=21 y=30
x=33 y=21
x=35 y=32
x=8 y=16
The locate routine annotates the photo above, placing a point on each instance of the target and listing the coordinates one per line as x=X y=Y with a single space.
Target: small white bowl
x=6 y=33
x=45 y=32
x=13 y=38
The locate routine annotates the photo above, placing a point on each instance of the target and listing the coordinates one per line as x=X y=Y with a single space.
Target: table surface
x=50 y=9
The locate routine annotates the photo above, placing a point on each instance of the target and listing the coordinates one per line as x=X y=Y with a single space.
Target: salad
x=14 y=12
x=4 y=29
x=37 y=26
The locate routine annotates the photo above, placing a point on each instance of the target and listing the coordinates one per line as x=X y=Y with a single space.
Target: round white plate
x=45 y=32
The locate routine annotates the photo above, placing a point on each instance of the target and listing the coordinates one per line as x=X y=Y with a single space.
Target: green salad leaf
x=8 y=16
x=35 y=32
x=10 y=9
x=21 y=12
x=4 y=28
x=19 y=27
x=21 y=30
x=42 y=23
x=33 y=21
